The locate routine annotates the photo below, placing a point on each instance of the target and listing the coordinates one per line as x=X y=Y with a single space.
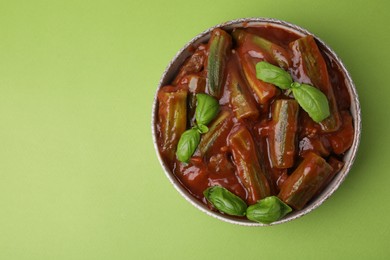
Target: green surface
x=79 y=178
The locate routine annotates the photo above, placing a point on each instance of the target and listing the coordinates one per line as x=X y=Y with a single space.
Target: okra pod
x=337 y=165
x=246 y=161
x=274 y=176
x=221 y=172
x=342 y=140
x=242 y=102
x=196 y=84
x=310 y=67
x=219 y=47
x=270 y=51
x=172 y=118
x=218 y=130
x=263 y=91
x=316 y=144
x=307 y=179
x=193 y=64
x=282 y=137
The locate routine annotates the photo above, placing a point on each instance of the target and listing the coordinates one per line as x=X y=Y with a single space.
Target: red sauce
x=217 y=167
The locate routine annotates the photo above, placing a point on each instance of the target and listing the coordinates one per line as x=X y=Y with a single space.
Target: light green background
x=79 y=178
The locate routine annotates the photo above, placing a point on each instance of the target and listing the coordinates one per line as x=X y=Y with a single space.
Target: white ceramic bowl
x=349 y=157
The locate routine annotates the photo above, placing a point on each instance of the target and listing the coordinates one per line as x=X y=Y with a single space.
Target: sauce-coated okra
x=278 y=126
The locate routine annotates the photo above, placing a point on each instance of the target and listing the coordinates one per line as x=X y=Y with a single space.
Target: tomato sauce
x=217 y=166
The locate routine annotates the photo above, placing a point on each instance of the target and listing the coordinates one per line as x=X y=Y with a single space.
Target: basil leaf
x=267 y=210
x=202 y=129
x=206 y=109
x=273 y=74
x=187 y=145
x=225 y=201
x=312 y=100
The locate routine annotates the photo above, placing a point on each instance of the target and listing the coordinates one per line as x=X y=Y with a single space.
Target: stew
x=239 y=116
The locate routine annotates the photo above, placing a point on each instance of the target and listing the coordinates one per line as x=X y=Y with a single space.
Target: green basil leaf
x=202 y=128
x=206 y=109
x=267 y=210
x=312 y=100
x=273 y=74
x=187 y=145
x=225 y=201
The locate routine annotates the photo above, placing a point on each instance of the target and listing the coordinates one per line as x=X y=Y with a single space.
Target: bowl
x=348 y=158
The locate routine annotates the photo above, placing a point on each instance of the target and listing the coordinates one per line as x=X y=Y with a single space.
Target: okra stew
x=256 y=122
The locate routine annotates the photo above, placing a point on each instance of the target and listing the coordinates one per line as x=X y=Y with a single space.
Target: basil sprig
x=206 y=110
x=273 y=74
x=188 y=142
x=225 y=201
x=267 y=210
x=311 y=99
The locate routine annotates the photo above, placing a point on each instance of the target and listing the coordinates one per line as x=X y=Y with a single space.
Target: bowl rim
x=355 y=111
